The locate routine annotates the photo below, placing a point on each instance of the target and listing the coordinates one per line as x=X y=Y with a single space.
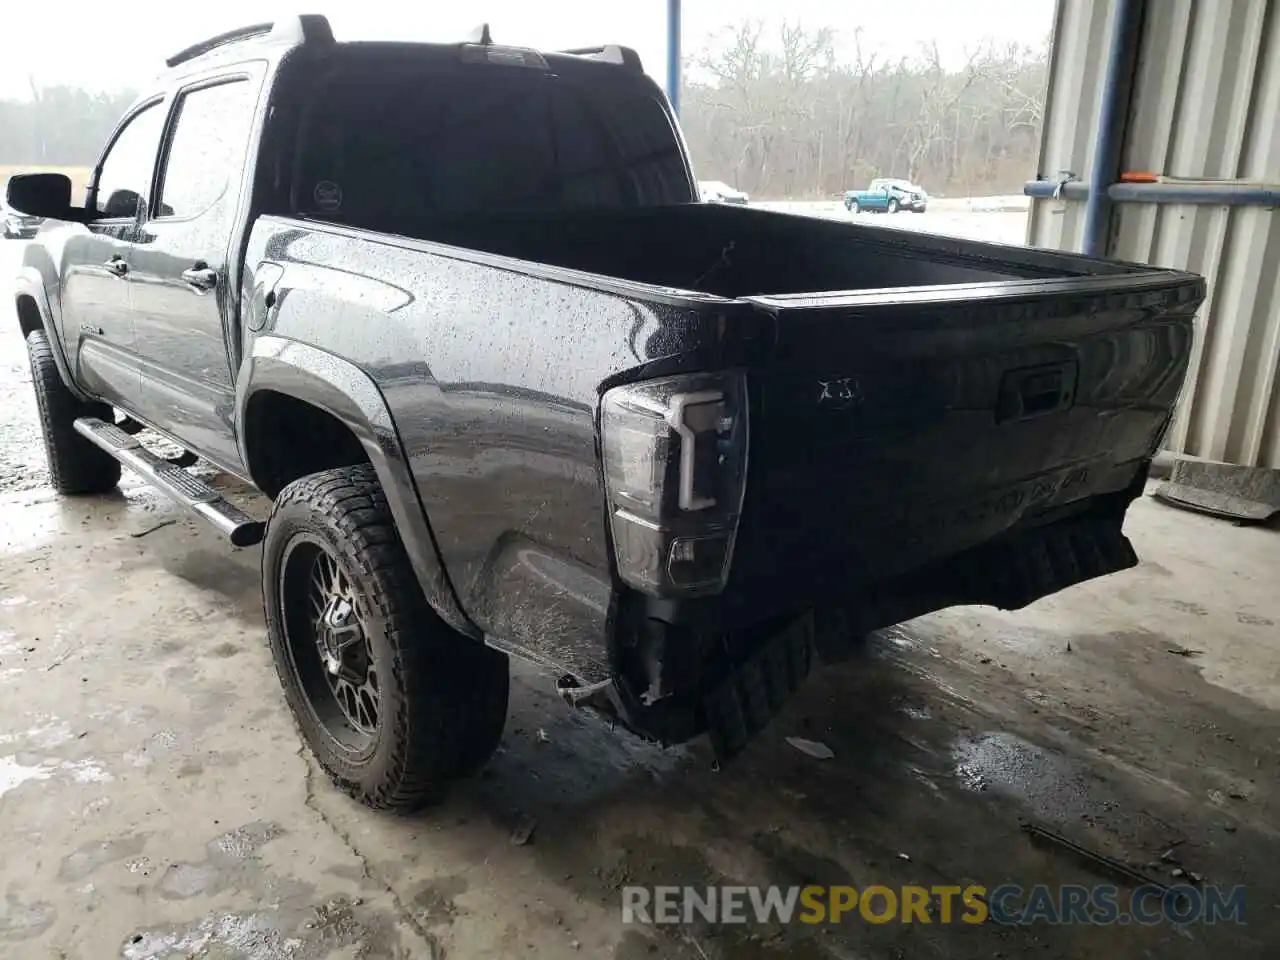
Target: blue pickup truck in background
x=887 y=195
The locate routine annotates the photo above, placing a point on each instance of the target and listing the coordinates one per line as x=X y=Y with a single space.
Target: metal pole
x=673 y=54
x=1126 y=35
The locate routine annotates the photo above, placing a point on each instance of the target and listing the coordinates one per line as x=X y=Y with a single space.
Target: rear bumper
x=730 y=681
x=1010 y=572
x=780 y=567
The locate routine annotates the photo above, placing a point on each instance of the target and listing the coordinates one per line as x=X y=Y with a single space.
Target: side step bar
x=190 y=491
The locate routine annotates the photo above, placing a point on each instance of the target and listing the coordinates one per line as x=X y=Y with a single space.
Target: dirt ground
x=155 y=802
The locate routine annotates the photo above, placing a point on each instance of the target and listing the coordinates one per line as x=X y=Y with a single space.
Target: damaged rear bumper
x=739 y=683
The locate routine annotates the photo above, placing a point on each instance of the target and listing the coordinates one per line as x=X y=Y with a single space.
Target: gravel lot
x=155 y=801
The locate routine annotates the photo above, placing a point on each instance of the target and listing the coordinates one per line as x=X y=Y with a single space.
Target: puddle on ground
x=34 y=519
x=253 y=936
x=9 y=643
x=45 y=733
x=243 y=842
x=156 y=745
x=31 y=523
x=88 y=858
x=86 y=771
x=223 y=864
x=332 y=926
x=1025 y=639
x=882 y=641
x=14 y=774
x=23 y=921
x=185 y=880
x=1047 y=783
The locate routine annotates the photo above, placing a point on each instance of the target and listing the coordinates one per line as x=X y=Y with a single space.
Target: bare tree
x=785 y=116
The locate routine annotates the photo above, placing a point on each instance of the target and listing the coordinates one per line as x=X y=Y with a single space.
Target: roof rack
x=610 y=53
x=306 y=28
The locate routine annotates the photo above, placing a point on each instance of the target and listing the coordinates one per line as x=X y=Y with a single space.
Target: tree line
x=783 y=117
x=58 y=126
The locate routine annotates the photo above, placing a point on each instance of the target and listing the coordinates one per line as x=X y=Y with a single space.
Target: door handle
x=202 y=278
x=117 y=266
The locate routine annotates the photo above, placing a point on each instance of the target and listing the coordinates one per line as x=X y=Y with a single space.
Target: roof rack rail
x=610 y=53
x=306 y=28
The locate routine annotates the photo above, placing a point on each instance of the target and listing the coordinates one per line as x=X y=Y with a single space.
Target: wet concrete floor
x=155 y=802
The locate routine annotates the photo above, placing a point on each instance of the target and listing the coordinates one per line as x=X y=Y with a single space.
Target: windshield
x=385 y=144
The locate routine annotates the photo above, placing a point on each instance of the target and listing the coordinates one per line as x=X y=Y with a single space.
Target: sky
x=97 y=46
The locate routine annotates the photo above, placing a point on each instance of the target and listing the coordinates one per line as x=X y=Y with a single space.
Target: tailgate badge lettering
x=842 y=392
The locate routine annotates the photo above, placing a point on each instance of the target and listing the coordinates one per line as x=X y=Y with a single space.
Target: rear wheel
x=76 y=466
x=393 y=703
x=853 y=206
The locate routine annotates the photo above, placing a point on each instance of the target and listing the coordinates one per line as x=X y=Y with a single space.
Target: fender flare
x=347 y=393
x=30 y=283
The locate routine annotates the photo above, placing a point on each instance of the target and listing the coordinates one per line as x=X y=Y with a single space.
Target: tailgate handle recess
x=1036 y=391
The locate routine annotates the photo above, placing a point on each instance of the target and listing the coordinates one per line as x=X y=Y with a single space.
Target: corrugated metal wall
x=1206 y=104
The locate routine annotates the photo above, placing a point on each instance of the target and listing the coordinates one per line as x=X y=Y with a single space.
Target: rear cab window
x=205 y=155
x=395 y=146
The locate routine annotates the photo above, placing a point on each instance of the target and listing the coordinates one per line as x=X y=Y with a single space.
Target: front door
x=184 y=269
x=96 y=323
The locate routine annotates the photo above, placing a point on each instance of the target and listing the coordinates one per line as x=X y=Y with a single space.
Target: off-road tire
x=443 y=696
x=76 y=466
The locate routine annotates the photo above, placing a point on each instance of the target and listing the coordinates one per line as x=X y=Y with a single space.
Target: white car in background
x=716 y=191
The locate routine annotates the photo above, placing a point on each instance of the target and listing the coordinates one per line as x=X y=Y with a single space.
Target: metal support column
x=1108 y=144
x=673 y=54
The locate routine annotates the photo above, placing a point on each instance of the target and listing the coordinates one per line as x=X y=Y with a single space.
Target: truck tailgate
x=891 y=429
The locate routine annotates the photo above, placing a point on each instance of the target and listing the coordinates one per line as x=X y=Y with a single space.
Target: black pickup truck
x=456 y=309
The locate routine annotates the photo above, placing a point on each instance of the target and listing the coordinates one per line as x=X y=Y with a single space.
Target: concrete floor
x=155 y=802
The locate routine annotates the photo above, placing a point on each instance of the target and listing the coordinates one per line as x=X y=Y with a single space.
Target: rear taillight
x=675 y=468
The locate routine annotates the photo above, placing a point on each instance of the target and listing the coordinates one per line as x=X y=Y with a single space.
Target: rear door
x=96 y=323
x=185 y=269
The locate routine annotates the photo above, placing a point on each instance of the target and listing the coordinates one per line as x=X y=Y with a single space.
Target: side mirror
x=46 y=195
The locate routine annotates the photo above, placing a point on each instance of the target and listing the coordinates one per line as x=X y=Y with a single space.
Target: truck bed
x=738 y=252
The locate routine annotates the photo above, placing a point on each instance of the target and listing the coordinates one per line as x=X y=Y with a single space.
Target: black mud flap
x=742 y=705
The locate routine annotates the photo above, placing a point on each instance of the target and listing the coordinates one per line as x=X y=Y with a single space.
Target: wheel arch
x=286 y=385
x=34 y=312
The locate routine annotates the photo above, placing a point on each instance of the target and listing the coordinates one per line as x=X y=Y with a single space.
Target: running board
x=190 y=491
x=133 y=427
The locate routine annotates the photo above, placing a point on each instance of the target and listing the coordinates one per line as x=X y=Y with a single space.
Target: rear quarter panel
x=493 y=377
